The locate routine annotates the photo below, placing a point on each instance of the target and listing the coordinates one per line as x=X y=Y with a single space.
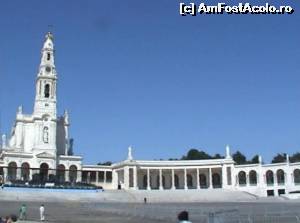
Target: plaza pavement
x=127 y=206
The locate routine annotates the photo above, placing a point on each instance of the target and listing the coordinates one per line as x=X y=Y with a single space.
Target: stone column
x=160 y=180
x=126 y=177
x=18 y=177
x=5 y=174
x=79 y=176
x=173 y=179
x=210 y=178
x=89 y=177
x=224 y=176
x=104 y=176
x=67 y=178
x=148 y=179
x=29 y=174
x=135 y=178
x=198 y=179
x=97 y=176
x=115 y=179
x=185 y=183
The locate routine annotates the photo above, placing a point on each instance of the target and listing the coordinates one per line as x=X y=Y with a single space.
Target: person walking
x=42 y=212
x=23 y=212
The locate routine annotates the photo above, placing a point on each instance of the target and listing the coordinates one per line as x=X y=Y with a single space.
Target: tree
x=239 y=158
x=218 y=156
x=107 y=163
x=295 y=157
x=194 y=154
x=255 y=159
x=279 y=158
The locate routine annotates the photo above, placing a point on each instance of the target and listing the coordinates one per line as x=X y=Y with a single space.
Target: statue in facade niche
x=46 y=135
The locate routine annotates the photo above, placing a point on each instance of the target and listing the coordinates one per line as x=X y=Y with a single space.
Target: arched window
x=242 y=178
x=203 y=182
x=280 y=176
x=73 y=174
x=189 y=181
x=25 y=169
x=48 y=56
x=47 y=91
x=297 y=176
x=216 y=180
x=270 y=177
x=253 y=177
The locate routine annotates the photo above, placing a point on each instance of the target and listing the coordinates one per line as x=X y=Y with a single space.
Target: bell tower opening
x=47 y=91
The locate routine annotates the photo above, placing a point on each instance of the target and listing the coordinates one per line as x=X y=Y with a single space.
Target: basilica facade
x=39 y=149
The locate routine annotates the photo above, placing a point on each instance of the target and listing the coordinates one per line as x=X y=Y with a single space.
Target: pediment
x=44 y=155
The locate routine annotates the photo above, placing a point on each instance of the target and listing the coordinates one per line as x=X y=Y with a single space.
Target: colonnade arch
x=203 y=181
x=270 y=177
x=216 y=180
x=189 y=181
x=25 y=171
x=253 y=177
x=44 y=169
x=12 y=171
x=176 y=181
x=296 y=176
x=60 y=173
x=280 y=176
x=242 y=178
x=73 y=174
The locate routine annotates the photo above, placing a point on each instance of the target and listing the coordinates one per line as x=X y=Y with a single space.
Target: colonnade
x=97 y=176
x=173 y=178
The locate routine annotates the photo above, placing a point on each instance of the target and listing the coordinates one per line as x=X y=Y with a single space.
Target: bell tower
x=45 y=96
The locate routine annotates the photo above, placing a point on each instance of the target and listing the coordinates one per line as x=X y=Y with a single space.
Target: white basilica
x=39 y=150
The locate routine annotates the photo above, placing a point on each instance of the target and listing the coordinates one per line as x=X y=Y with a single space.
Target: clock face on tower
x=48 y=69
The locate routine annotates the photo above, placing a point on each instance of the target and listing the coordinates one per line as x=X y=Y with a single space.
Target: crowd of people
x=22 y=215
x=8 y=219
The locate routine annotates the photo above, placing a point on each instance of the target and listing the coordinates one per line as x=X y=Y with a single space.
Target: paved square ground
x=250 y=212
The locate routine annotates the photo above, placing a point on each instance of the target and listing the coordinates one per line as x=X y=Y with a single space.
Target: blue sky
x=136 y=73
